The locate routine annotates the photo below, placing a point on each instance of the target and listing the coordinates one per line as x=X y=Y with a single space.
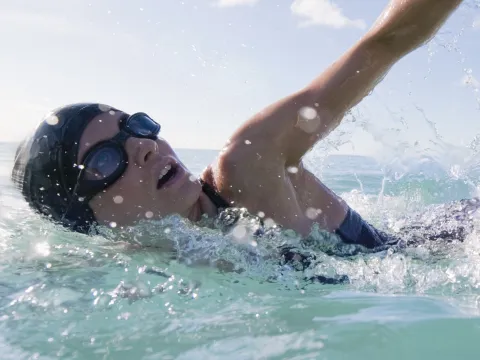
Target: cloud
x=470 y=80
x=323 y=12
x=476 y=23
x=232 y=3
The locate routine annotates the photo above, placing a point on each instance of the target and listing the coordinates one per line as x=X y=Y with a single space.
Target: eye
x=102 y=163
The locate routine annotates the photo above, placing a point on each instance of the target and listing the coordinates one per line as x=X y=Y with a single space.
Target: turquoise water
x=67 y=296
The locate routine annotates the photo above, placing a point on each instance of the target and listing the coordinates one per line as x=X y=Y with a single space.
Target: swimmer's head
x=89 y=164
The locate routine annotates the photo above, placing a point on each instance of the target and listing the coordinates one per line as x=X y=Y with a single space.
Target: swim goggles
x=107 y=161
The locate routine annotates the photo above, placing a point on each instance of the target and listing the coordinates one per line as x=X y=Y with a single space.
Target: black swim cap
x=46 y=169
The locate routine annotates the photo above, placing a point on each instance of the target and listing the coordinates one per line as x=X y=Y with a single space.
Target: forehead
x=102 y=127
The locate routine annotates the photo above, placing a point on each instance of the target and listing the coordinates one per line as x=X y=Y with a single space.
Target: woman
x=92 y=164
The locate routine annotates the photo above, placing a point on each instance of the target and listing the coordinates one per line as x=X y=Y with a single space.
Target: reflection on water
x=213 y=295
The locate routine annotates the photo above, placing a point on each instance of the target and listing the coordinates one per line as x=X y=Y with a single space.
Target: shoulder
x=240 y=158
x=220 y=174
x=240 y=173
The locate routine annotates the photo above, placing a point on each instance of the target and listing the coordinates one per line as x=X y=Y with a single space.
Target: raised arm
x=291 y=126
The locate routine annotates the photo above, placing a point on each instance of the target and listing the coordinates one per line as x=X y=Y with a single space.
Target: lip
x=176 y=179
x=158 y=168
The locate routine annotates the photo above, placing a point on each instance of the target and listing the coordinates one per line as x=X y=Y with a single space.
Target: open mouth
x=167 y=174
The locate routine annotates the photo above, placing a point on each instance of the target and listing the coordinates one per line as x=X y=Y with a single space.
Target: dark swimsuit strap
x=214 y=196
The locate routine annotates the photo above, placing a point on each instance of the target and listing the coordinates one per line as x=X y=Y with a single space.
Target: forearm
x=405 y=25
x=282 y=127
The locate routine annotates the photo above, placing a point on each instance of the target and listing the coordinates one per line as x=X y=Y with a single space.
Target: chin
x=194 y=191
x=189 y=196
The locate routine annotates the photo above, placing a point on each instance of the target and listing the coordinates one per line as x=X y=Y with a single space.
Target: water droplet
x=261 y=214
x=111 y=112
x=167 y=231
x=312 y=213
x=239 y=232
x=308 y=119
x=292 y=169
x=52 y=120
x=113 y=224
x=42 y=188
x=81 y=167
x=118 y=199
x=269 y=223
x=149 y=214
x=248 y=142
x=308 y=113
x=192 y=178
x=81 y=199
x=104 y=107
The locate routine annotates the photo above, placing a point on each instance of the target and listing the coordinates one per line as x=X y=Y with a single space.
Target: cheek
x=120 y=202
x=130 y=199
x=135 y=180
x=127 y=198
x=122 y=209
x=132 y=196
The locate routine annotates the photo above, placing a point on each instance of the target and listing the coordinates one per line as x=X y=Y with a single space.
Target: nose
x=141 y=149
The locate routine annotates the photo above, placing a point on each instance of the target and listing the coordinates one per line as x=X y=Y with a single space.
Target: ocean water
x=68 y=296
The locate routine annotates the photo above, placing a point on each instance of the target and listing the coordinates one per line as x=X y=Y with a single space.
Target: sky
x=202 y=67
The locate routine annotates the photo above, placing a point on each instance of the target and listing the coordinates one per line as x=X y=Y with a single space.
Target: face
x=155 y=183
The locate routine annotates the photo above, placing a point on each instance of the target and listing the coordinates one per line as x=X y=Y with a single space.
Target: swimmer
x=90 y=165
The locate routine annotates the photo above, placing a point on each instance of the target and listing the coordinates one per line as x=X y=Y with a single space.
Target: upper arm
x=319 y=203
x=294 y=124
